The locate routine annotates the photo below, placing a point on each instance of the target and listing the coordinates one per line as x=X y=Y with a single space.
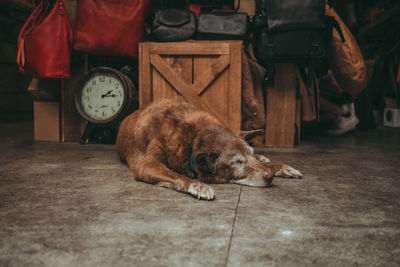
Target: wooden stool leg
x=281 y=108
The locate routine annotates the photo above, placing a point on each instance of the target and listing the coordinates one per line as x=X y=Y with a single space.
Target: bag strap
x=308 y=77
x=21 y=52
x=338 y=29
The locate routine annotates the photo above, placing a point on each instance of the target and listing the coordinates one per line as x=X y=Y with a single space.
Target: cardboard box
x=46 y=121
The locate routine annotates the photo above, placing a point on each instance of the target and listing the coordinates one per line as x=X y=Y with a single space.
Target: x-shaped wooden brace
x=191 y=92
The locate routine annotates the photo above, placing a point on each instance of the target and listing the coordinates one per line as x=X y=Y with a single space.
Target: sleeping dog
x=178 y=146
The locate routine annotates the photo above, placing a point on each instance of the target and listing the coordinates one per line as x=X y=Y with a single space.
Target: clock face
x=102 y=96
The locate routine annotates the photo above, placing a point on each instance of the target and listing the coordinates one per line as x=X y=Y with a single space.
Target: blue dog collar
x=193 y=165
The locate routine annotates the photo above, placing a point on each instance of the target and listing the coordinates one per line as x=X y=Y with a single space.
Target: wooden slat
x=281 y=108
x=182 y=66
x=8 y=78
x=235 y=87
x=20 y=4
x=72 y=125
x=185 y=90
x=308 y=105
x=190 y=48
x=298 y=121
x=216 y=93
x=9 y=102
x=8 y=53
x=209 y=74
x=145 y=80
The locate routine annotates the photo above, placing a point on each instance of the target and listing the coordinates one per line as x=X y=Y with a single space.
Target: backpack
x=291 y=31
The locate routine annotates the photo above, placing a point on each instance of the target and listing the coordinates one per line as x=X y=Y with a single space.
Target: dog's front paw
x=201 y=191
x=262 y=158
x=288 y=172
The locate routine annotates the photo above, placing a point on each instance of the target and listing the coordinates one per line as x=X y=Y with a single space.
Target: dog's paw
x=288 y=172
x=262 y=158
x=201 y=191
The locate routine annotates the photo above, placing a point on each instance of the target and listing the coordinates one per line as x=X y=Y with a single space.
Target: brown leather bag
x=345 y=58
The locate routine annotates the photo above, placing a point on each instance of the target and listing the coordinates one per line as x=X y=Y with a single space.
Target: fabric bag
x=173 y=25
x=110 y=27
x=346 y=59
x=222 y=25
x=45 y=42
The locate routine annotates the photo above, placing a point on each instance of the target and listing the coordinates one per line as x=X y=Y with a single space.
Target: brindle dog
x=178 y=146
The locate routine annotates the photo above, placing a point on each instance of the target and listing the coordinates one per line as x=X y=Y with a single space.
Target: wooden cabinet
x=204 y=73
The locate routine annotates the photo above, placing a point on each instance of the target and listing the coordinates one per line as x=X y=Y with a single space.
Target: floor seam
x=233 y=227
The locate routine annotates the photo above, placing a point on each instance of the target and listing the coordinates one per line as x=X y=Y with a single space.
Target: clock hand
x=103 y=106
x=106 y=94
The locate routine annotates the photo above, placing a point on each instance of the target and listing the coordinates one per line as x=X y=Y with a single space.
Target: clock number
x=93 y=82
x=89 y=89
x=102 y=79
x=87 y=98
x=117 y=85
x=119 y=103
x=104 y=114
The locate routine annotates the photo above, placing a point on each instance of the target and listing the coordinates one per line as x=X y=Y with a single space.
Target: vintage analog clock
x=103 y=98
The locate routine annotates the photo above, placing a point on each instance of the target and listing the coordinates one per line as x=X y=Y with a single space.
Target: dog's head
x=221 y=157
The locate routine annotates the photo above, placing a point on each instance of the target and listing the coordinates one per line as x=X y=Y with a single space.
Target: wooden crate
x=204 y=73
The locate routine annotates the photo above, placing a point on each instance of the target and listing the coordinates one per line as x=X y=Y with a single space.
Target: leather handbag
x=222 y=25
x=45 y=42
x=173 y=24
x=110 y=27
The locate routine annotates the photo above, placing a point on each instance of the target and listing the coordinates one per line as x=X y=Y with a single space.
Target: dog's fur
x=159 y=141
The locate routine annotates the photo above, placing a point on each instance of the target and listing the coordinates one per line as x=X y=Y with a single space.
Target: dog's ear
x=248 y=135
x=206 y=162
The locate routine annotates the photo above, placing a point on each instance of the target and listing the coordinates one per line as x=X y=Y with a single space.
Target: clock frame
x=127 y=87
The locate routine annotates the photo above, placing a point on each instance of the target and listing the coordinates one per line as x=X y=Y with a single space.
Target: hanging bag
x=173 y=25
x=345 y=58
x=223 y=25
x=110 y=27
x=45 y=42
x=291 y=31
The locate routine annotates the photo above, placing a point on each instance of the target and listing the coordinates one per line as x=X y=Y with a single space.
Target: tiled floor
x=74 y=205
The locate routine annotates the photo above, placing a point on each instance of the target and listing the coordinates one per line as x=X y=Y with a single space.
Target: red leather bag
x=110 y=27
x=45 y=42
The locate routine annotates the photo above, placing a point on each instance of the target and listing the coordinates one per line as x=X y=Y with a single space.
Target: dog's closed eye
x=237 y=162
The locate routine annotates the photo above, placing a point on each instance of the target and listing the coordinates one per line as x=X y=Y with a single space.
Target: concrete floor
x=74 y=205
